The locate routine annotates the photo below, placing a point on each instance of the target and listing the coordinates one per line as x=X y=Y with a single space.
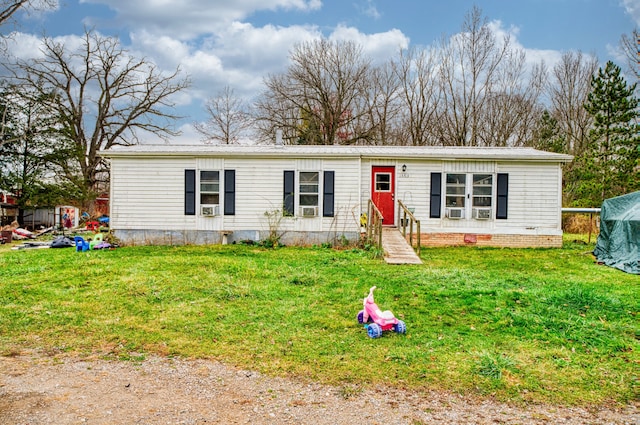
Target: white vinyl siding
x=149 y=194
x=259 y=189
x=534 y=203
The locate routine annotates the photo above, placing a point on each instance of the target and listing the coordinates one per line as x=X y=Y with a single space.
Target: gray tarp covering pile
x=619 y=239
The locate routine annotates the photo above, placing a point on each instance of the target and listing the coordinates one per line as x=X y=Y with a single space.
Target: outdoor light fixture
x=404 y=168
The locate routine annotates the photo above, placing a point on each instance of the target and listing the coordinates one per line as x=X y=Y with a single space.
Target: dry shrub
x=579 y=223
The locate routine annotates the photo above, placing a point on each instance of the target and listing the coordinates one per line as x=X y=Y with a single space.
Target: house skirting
x=498 y=240
x=201 y=237
x=131 y=237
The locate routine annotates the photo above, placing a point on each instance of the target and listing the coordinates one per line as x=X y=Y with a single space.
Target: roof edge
x=405 y=152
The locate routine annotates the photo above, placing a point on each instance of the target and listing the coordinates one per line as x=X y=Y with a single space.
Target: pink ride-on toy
x=382 y=320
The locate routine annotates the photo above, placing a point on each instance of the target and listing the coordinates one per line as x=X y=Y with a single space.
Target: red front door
x=383 y=185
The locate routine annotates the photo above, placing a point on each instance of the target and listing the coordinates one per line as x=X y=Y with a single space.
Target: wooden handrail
x=412 y=219
x=374 y=224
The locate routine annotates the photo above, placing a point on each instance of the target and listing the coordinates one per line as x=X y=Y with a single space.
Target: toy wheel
x=400 y=327
x=374 y=330
x=361 y=317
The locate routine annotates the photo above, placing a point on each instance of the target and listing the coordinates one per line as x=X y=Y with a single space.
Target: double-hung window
x=482 y=190
x=456 y=190
x=481 y=196
x=309 y=193
x=209 y=187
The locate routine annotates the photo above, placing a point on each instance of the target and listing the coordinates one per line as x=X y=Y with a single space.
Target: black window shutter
x=229 y=192
x=189 y=192
x=435 y=195
x=288 y=200
x=327 y=194
x=503 y=194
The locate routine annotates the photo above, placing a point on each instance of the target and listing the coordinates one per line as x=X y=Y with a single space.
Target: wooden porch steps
x=396 y=248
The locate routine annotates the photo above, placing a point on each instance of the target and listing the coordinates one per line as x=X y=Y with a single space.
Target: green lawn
x=526 y=325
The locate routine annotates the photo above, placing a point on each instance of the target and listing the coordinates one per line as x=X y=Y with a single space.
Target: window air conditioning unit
x=209 y=211
x=481 y=213
x=309 y=211
x=455 y=213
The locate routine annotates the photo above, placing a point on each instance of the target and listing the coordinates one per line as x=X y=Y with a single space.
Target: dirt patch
x=36 y=389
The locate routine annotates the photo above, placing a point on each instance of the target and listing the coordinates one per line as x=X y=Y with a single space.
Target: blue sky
x=237 y=42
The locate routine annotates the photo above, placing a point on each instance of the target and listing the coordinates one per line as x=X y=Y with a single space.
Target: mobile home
x=208 y=194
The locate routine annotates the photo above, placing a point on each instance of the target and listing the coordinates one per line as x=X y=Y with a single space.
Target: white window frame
x=211 y=191
x=471 y=196
x=451 y=194
x=306 y=192
x=376 y=189
x=475 y=196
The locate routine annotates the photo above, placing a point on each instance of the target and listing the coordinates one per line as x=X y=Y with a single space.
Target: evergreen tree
x=546 y=136
x=609 y=165
x=29 y=147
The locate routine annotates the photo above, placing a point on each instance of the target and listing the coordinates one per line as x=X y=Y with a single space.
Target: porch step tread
x=396 y=248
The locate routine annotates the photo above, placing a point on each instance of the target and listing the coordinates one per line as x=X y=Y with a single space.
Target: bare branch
x=320 y=98
x=630 y=45
x=229 y=118
x=417 y=72
x=8 y=8
x=568 y=88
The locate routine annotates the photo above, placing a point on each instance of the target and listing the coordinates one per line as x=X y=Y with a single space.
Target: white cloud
x=632 y=8
x=380 y=46
x=28 y=46
x=370 y=10
x=264 y=49
x=24 y=46
x=188 y=136
x=188 y=19
x=240 y=56
x=533 y=56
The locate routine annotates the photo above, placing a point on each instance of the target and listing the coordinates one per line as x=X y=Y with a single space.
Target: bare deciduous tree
x=512 y=108
x=228 y=118
x=629 y=46
x=319 y=99
x=489 y=95
x=470 y=66
x=103 y=98
x=569 y=87
x=420 y=95
x=383 y=103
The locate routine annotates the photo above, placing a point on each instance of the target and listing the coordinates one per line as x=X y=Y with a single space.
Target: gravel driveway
x=36 y=389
